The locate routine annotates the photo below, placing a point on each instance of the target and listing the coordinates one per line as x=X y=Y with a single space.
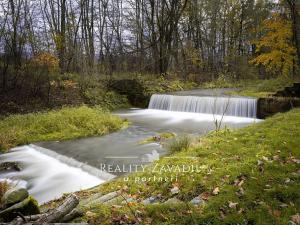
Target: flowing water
x=243 y=107
x=50 y=169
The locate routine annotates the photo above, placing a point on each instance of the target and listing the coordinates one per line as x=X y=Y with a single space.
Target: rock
x=128 y=200
x=172 y=201
x=197 y=201
x=28 y=206
x=10 y=166
x=271 y=105
x=13 y=196
x=175 y=190
x=149 y=200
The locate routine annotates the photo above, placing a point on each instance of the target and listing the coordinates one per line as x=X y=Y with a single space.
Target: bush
x=109 y=100
x=179 y=144
x=67 y=123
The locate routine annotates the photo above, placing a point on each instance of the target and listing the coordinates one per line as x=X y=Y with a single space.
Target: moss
x=32 y=207
x=262 y=159
x=29 y=206
x=66 y=123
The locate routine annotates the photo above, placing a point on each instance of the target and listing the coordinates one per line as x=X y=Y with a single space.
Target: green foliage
x=223 y=81
x=67 y=123
x=262 y=159
x=110 y=100
x=163 y=85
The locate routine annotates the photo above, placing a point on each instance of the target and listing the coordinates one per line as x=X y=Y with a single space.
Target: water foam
x=47 y=177
x=241 y=107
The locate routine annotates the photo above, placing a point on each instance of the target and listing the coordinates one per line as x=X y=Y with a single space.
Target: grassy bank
x=66 y=123
x=246 y=176
x=262 y=88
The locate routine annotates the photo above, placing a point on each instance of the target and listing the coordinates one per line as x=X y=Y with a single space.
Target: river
x=50 y=169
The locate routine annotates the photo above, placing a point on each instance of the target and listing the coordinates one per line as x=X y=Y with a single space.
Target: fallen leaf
x=175 y=190
x=216 y=191
x=275 y=213
x=297 y=161
x=241 y=211
x=205 y=196
x=240 y=192
x=283 y=205
x=296 y=218
x=232 y=205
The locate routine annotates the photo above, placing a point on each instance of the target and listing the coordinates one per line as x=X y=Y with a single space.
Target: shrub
x=110 y=99
x=179 y=144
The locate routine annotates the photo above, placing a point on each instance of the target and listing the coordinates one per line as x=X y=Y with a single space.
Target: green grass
x=262 y=88
x=66 y=123
x=256 y=167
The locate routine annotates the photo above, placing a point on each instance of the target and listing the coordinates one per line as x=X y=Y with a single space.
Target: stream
x=50 y=169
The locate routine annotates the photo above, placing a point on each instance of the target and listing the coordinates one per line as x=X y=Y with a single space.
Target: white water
x=241 y=107
x=46 y=177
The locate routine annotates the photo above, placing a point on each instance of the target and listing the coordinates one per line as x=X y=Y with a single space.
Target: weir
x=231 y=106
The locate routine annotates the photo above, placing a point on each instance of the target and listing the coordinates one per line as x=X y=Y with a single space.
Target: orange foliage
x=46 y=60
x=275 y=48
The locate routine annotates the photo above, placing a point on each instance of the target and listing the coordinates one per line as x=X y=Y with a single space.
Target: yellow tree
x=275 y=49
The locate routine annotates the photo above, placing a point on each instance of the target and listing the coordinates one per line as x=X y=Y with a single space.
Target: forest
x=149 y=112
x=46 y=45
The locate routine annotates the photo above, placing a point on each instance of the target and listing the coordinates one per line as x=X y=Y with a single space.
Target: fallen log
x=72 y=215
x=58 y=213
x=66 y=212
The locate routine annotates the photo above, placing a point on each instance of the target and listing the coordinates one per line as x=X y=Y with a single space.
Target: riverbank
x=66 y=123
x=100 y=91
x=247 y=176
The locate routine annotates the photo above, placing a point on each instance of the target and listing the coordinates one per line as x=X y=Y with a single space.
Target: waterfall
x=231 y=106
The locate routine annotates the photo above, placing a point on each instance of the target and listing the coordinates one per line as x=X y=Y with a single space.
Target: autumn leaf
x=205 y=196
x=216 y=191
x=232 y=205
x=296 y=218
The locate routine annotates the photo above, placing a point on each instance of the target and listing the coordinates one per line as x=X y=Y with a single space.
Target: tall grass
x=4 y=186
x=66 y=123
x=179 y=144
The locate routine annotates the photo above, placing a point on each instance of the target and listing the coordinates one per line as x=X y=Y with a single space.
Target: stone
x=10 y=166
x=28 y=206
x=172 y=201
x=271 y=105
x=13 y=196
x=197 y=201
x=175 y=190
x=149 y=200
